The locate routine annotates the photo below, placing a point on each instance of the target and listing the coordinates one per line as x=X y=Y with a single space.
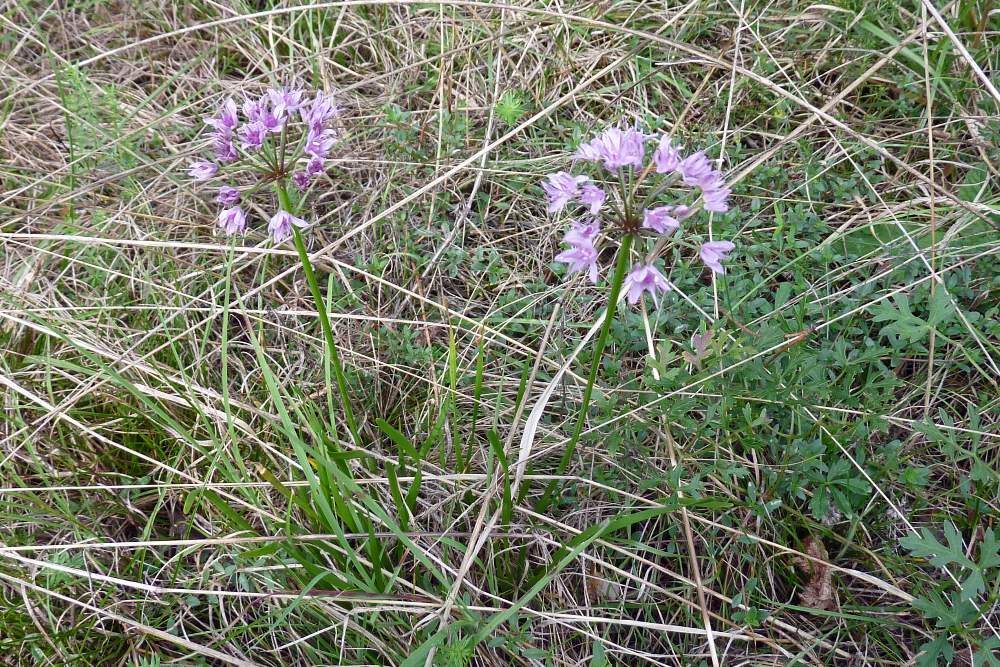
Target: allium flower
x=582 y=257
x=319 y=141
x=227 y=119
x=319 y=111
x=681 y=211
x=297 y=154
x=615 y=148
x=644 y=278
x=715 y=196
x=561 y=187
x=225 y=151
x=314 y=167
x=227 y=196
x=592 y=196
x=714 y=253
x=660 y=220
x=202 y=170
x=252 y=135
x=696 y=169
x=667 y=156
x=233 y=220
x=252 y=109
x=285 y=101
x=281 y=223
x=583 y=234
x=272 y=121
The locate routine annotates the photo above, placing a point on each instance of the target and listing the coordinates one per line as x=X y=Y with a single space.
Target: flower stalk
x=338 y=370
x=617 y=280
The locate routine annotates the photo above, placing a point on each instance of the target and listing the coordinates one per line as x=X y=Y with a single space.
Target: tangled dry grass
x=163 y=503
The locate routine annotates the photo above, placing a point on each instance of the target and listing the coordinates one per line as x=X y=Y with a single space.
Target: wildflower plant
x=262 y=149
x=632 y=187
x=283 y=136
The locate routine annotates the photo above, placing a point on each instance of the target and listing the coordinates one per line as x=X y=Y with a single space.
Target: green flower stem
x=324 y=319
x=602 y=338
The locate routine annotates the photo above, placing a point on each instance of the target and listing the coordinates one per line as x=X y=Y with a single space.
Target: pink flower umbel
x=227 y=196
x=582 y=257
x=281 y=223
x=291 y=128
x=644 y=278
x=592 y=196
x=561 y=187
x=202 y=170
x=615 y=148
x=233 y=220
x=660 y=220
x=714 y=253
x=667 y=157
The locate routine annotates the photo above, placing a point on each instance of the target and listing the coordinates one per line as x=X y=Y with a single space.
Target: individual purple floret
x=580 y=258
x=320 y=110
x=314 y=167
x=583 y=233
x=252 y=135
x=667 y=157
x=615 y=148
x=715 y=195
x=233 y=220
x=681 y=211
x=202 y=170
x=227 y=195
x=660 y=219
x=562 y=187
x=252 y=110
x=592 y=196
x=713 y=253
x=301 y=180
x=225 y=151
x=644 y=278
x=285 y=101
x=319 y=141
x=281 y=223
x=271 y=121
x=696 y=169
x=228 y=117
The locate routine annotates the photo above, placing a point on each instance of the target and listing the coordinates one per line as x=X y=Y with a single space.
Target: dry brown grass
x=118 y=303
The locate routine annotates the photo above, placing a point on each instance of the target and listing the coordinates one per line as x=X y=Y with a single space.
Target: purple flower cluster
x=620 y=148
x=302 y=142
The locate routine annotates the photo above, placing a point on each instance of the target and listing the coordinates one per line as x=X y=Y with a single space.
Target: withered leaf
x=818 y=593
